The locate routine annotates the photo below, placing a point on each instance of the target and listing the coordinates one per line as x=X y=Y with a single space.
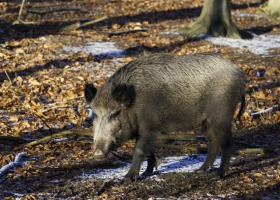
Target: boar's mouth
x=100 y=154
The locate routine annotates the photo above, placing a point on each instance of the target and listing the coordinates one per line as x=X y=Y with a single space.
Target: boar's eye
x=114 y=115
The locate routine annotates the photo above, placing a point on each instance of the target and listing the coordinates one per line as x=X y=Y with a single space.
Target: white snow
x=186 y=163
x=97 y=48
x=259 y=45
x=20 y=160
x=256 y=15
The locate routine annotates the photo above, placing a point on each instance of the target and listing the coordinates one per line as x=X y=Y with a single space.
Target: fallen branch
x=273 y=108
x=251 y=151
x=184 y=148
x=79 y=24
x=67 y=132
x=72 y=8
x=127 y=32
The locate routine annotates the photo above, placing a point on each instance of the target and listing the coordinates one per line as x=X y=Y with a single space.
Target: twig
x=79 y=24
x=8 y=76
x=42 y=120
x=275 y=107
x=19 y=20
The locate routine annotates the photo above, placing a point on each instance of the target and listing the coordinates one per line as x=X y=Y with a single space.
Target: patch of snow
x=20 y=160
x=170 y=32
x=102 y=49
x=249 y=15
x=187 y=163
x=259 y=45
x=60 y=139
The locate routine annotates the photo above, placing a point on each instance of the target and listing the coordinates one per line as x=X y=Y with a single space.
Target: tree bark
x=273 y=8
x=215 y=19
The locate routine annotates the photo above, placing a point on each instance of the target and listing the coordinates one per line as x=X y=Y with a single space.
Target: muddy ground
x=42 y=94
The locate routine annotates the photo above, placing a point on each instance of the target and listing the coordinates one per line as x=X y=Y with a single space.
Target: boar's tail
x=242 y=108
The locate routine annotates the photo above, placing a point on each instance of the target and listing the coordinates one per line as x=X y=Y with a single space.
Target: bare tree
x=215 y=19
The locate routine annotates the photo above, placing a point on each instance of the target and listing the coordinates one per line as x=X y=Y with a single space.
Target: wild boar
x=165 y=93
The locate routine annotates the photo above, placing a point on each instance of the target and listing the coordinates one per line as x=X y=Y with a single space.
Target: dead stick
x=8 y=76
x=127 y=32
x=67 y=132
x=252 y=151
x=275 y=107
x=42 y=120
x=184 y=148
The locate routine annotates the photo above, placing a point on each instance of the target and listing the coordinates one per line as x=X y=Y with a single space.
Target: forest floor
x=42 y=76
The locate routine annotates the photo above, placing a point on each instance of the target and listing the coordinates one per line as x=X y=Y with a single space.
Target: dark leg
x=142 y=150
x=213 y=148
x=227 y=148
x=212 y=153
x=152 y=163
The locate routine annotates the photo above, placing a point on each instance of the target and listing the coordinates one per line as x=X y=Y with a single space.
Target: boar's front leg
x=143 y=149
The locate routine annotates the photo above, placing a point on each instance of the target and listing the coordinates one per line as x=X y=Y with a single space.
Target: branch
x=184 y=148
x=79 y=24
x=127 y=32
x=67 y=132
x=251 y=151
x=72 y=8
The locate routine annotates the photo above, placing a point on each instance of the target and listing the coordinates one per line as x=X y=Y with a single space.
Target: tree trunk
x=215 y=19
x=273 y=8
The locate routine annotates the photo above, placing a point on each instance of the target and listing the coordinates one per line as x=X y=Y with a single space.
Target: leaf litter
x=42 y=93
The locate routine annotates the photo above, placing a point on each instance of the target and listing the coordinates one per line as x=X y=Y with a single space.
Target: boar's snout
x=98 y=154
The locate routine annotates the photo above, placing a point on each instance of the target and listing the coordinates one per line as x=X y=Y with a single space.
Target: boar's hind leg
x=213 y=147
x=152 y=163
x=227 y=148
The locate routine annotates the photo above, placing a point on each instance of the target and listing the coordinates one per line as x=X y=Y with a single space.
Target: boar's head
x=111 y=124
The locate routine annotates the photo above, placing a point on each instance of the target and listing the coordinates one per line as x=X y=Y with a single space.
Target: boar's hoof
x=131 y=176
x=151 y=165
x=221 y=173
x=147 y=173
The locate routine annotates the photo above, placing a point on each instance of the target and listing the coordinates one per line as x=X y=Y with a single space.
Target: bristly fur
x=164 y=93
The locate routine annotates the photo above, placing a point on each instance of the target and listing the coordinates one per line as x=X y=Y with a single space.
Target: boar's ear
x=90 y=92
x=124 y=94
